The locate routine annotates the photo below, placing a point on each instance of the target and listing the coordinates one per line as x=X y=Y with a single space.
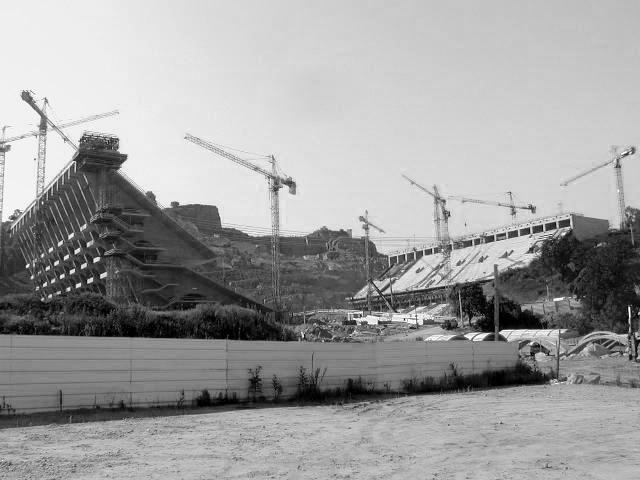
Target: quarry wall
x=47 y=373
x=205 y=217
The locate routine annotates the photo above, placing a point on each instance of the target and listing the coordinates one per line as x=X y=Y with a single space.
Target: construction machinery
x=276 y=182
x=5 y=147
x=366 y=225
x=45 y=122
x=617 y=169
x=441 y=223
x=511 y=205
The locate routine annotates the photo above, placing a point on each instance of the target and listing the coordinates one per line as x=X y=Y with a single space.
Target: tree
x=557 y=255
x=175 y=204
x=16 y=213
x=605 y=283
x=511 y=316
x=474 y=303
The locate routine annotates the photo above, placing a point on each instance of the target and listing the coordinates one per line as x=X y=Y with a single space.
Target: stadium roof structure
x=418 y=276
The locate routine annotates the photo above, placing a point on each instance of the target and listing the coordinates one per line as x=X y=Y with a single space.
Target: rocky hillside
x=13 y=276
x=319 y=270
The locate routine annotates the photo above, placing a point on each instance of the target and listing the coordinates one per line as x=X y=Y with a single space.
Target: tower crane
x=45 y=122
x=441 y=222
x=5 y=147
x=366 y=224
x=512 y=206
x=617 y=169
x=276 y=182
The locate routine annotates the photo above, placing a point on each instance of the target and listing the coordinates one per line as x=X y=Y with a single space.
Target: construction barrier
x=42 y=373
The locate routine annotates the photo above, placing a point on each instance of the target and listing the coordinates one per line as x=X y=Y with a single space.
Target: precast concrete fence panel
x=43 y=373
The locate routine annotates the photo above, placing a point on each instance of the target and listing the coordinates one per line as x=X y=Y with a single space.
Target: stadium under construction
x=92 y=229
x=419 y=276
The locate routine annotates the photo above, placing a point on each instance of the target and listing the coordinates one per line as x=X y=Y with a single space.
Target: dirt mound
x=593 y=350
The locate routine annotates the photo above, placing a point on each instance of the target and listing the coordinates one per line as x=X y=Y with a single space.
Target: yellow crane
x=276 y=182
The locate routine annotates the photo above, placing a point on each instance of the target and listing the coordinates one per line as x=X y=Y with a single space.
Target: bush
x=522 y=374
x=358 y=386
x=92 y=315
x=203 y=399
x=309 y=384
x=255 y=382
x=276 y=385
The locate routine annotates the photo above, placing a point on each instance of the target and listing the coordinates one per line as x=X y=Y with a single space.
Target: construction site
x=361 y=240
x=92 y=229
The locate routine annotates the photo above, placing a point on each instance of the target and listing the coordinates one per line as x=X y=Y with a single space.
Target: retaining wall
x=40 y=373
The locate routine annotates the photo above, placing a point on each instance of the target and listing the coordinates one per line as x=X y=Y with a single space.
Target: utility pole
x=496 y=303
x=631 y=218
x=365 y=226
x=460 y=305
x=558 y=357
x=631 y=336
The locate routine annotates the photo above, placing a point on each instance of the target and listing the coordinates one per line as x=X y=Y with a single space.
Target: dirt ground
x=535 y=432
x=612 y=371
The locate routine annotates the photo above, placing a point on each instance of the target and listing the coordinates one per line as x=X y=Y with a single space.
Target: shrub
x=203 y=399
x=358 y=386
x=522 y=374
x=255 y=382
x=276 y=385
x=92 y=315
x=308 y=387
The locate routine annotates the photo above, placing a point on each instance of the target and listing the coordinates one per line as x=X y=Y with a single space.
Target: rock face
x=205 y=217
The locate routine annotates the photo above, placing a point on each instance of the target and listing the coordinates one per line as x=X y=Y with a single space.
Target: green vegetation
x=93 y=315
x=523 y=374
x=604 y=274
x=476 y=305
x=309 y=383
x=255 y=383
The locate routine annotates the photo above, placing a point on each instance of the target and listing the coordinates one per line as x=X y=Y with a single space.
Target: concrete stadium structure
x=417 y=276
x=93 y=229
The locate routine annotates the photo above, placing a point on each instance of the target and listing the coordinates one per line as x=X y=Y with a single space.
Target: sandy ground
x=536 y=432
x=614 y=371
x=411 y=335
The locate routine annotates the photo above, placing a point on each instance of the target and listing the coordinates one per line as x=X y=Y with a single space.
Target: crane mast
x=366 y=224
x=274 y=196
x=276 y=182
x=45 y=122
x=5 y=147
x=441 y=222
x=617 y=171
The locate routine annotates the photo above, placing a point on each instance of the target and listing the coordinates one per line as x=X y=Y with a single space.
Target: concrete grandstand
x=417 y=276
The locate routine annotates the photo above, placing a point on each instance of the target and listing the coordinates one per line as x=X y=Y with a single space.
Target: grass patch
x=453 y=380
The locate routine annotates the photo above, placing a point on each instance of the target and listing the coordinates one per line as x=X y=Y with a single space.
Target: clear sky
x=478 y=97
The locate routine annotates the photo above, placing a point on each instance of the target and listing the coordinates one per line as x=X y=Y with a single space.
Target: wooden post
x=558 y=357
x=631 y=337
x=460 y=304
x=496 y=303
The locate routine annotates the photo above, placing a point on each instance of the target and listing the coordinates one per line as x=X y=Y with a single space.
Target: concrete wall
x=40 y=373
x=588 y=227
x=160 y=230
